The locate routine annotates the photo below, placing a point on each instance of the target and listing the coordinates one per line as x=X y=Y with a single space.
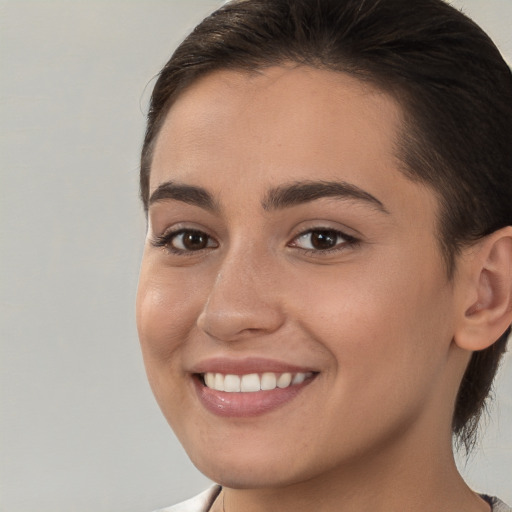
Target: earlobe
x=489 y=314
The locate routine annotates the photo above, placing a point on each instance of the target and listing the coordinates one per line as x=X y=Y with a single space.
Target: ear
x=487 y=310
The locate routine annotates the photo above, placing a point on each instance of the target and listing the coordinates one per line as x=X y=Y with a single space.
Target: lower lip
x=245 y=405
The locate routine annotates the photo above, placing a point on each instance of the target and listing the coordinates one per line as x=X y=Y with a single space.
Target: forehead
x=282 y=124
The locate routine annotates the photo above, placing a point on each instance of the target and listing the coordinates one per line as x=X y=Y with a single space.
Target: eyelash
x=166 y=239
x=348 y=241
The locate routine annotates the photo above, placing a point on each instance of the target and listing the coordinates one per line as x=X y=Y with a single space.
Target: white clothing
x=200 y=503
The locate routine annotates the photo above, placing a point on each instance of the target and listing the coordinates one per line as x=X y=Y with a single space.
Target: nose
x=243 y=300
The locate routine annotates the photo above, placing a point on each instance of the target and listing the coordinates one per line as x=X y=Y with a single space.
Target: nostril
x=231 y=324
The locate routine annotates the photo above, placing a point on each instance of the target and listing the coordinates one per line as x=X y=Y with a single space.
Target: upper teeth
x=253 y=381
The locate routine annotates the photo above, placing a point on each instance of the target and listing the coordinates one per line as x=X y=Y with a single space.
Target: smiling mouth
x=253 y=382
x=246 y=395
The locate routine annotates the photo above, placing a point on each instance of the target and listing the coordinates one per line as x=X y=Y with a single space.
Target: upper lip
x=227 y=365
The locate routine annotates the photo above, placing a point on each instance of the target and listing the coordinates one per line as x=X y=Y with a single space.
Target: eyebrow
x=284 y=196
x=189 y=194
x=301 y=192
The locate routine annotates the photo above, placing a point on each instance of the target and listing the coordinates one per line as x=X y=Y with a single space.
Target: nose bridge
x=243 y=298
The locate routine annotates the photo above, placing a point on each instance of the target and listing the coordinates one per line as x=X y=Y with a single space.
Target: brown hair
x=449 y=78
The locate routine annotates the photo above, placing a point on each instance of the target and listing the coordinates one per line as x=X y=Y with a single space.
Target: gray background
x=79 y=428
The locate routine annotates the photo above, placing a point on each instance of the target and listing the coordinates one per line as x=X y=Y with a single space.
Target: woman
x=325 y=292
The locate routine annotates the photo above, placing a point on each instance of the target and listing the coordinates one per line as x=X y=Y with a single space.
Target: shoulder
x=200 y=503
x=497 y=504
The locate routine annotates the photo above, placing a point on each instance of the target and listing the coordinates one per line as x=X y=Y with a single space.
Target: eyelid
x=165 y=240
x=349 y=241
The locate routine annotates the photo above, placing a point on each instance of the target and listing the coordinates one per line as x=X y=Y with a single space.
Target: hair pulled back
x=453 y=86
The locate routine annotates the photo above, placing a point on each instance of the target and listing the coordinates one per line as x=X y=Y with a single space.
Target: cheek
x=164 y=322
x=393 y=319
x=388 y=344
x=165 y=314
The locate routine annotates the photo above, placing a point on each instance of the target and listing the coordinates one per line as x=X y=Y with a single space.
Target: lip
x=247 y=365
x=251 y=404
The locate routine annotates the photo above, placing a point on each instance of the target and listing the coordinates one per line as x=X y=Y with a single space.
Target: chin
x=246 y=470
x=247 y=477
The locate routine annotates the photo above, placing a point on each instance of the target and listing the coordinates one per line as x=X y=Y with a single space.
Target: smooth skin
x=369 y=308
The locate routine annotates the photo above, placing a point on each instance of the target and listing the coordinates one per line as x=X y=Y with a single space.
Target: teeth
x=232 y=383
x=250 y=383
x=284 y=380
x=253 y=382
x=298 y=378
x=268 y=381
x=218 y=382
x=209 y=379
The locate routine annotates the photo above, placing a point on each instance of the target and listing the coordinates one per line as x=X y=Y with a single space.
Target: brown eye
x=191 y=240
x=322 y=240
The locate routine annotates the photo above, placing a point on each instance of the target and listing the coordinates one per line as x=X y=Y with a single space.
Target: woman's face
x=283 y=240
